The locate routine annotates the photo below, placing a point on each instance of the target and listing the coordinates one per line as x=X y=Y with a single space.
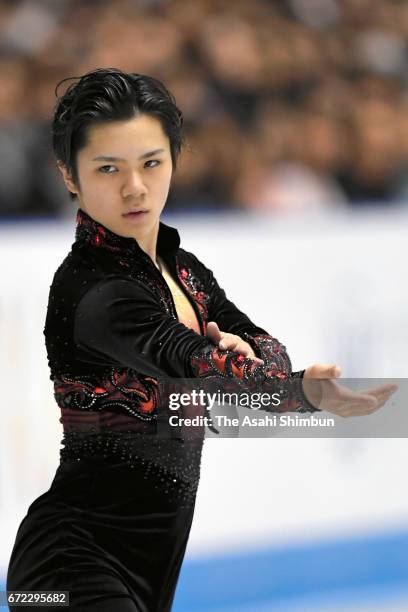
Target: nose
x=133 y=185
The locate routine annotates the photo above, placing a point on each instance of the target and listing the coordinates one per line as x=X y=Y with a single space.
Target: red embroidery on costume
x=131 y=392
x=195 y=288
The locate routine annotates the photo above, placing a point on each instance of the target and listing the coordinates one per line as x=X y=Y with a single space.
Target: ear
x=67 y=177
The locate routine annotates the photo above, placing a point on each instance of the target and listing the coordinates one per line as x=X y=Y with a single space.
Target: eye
x=103 y=169
x=153 y=160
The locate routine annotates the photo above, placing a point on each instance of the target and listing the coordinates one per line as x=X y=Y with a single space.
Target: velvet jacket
x=112 y=332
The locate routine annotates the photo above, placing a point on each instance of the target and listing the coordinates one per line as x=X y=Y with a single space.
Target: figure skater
x=127 y=306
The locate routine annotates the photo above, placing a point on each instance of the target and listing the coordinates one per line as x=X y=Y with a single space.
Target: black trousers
x=107 y=535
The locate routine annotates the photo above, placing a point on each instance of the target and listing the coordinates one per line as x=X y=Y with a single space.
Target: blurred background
x=289 y=105
x=296 y=166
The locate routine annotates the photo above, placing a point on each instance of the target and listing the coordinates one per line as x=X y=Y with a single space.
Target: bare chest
x=185 y=311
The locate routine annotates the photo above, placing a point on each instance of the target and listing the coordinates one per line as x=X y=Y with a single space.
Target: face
x=125 y=166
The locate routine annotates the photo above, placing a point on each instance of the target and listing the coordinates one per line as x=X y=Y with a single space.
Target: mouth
x=134 y=214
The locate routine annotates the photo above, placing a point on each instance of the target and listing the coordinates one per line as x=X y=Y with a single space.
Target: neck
x=149 y=243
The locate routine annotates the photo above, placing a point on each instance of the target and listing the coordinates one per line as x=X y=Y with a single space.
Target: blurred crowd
x=289 y=105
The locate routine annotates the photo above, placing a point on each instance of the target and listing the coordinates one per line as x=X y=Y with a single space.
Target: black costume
x=113 y=527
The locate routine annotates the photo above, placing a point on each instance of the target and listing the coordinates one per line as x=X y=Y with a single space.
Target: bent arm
x=119 y=322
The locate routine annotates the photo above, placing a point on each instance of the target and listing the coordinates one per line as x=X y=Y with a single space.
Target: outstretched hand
x=231 y=342
x=327 y=395
x=318 y=383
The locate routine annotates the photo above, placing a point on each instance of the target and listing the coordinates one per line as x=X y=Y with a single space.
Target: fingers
x=322 y=370
x=240 y=347
x=349 y=395
x=375 y=399
x=231 y=342
x=389 y=388
x=213 y=332
x=227 y=342
x=364 y=404
x=381 y=399
x=345 y=402
x=335 y=371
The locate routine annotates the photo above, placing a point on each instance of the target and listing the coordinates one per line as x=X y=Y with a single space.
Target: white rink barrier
x=331 y=288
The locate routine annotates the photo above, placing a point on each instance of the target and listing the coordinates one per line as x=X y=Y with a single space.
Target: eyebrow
x=110 y=158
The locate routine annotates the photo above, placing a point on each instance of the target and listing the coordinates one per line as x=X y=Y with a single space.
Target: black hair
x=107 y=95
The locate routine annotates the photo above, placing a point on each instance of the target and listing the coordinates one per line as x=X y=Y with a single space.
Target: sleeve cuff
x=309 y=407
